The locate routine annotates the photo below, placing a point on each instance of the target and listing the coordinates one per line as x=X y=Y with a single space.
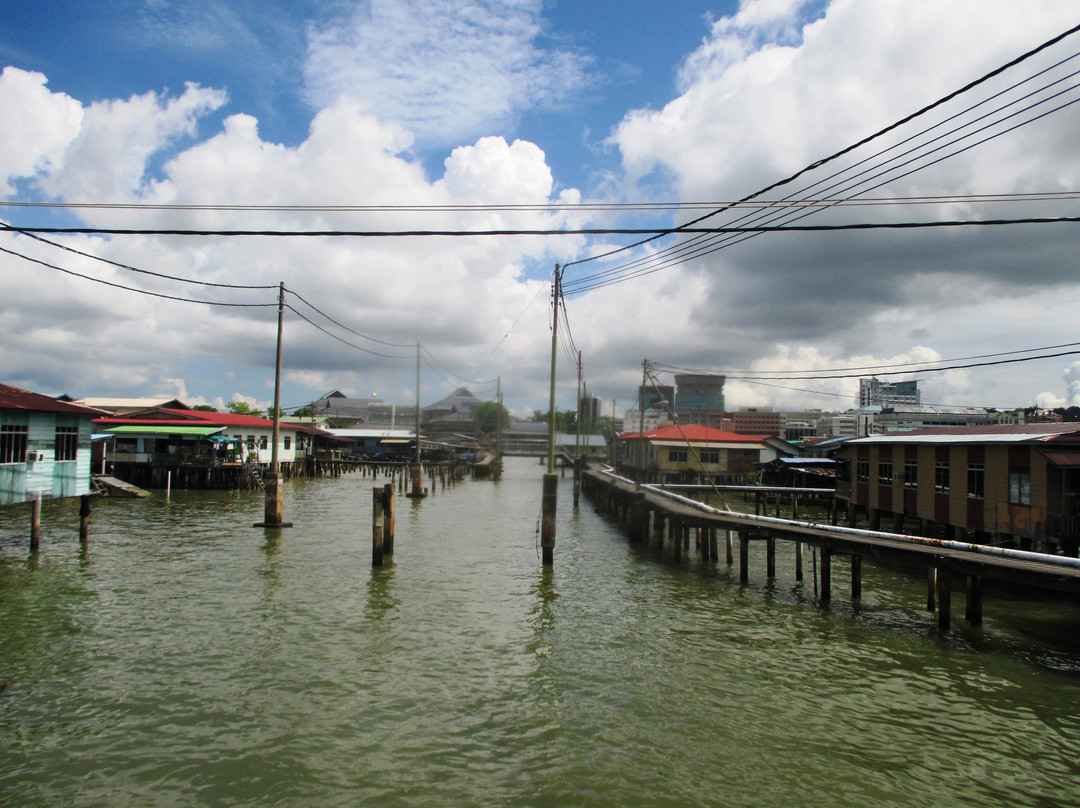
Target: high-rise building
x=876 y=393
x=651 y=396
x=699 y=399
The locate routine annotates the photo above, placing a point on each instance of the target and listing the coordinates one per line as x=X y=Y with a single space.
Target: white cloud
x=446 y=70
x=36 y=127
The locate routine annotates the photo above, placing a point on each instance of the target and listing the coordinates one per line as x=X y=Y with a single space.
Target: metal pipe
x=837 y=530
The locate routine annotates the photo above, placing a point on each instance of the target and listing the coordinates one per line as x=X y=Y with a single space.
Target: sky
x=540 y=115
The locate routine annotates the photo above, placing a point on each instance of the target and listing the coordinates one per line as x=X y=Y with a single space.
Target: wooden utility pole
x=496 y=467
x=551 y=479
x=272 y=481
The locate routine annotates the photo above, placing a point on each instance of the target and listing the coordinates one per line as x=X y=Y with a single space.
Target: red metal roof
x=162 y=416
x=15 y=398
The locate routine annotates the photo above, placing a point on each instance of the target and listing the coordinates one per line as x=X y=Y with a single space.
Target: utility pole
x=551 y=479
x=577 y=438
x=641 y=424
x=417 y=470
x=612 y=455
x=272 y=482
x=496 y=468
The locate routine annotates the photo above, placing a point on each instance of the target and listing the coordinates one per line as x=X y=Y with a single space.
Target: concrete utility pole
x=272 y=482
x=577 y=438
x=551 y=479
x=417 y=470
x=641 y=424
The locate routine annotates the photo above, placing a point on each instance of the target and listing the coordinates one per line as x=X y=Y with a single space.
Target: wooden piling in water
x=770 y=555
x=798 y=561
x=35 y=526
x=973 y=608
x=744 y=557
x=377 y=529
x=826 y=574
x=856 y=577
x=931 y=589
x=944 y=598
x=389 y=507
x=84 y=518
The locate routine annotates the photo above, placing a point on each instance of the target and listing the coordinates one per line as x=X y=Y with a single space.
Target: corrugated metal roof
x=991 y=433
x=1064 y=460
x=15 y=398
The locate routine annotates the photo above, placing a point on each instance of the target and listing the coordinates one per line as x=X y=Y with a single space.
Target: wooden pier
x=652 y=514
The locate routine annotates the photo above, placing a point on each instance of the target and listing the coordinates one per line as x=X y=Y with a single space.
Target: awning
x=1063 y=460
x=189 y=431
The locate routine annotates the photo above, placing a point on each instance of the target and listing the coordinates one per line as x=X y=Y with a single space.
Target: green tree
x=487 y=416
x=243 y=408
x=204 y=408
x=304 y=412
x=565 y=420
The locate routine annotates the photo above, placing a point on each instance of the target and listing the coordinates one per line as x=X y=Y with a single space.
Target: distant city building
x=876 y=393
x=652 y=395
x=699 y=399
x=838 y=425
x=753 y=421
x=589 y=409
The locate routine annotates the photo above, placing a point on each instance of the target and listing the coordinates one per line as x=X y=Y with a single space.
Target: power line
x=136 y=269
x=880 y=133
x=133 y=288
x=581 y=231
x=315 y=325
x=872 y=369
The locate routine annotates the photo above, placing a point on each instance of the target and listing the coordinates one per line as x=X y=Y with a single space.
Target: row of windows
x=264 y=442
x=13 y=443
x=1019 y=481
x=673 y=455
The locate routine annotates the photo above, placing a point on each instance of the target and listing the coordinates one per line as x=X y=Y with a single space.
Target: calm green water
x=188 y=659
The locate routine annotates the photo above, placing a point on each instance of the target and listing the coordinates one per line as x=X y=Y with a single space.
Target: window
x=941 y=478
x=250 y=441
x=288 y=443
x=862 y=469
x=710 y=456
x=67 y=443
x=976 y=480
x=911 y=474
x=884 y=470
x=1019 y=487
x=676 y=455
x=262 y=442
x=13 y=443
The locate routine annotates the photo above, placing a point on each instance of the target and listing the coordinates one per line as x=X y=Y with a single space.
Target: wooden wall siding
x=46 y=478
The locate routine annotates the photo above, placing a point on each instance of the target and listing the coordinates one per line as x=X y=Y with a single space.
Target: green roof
x=148 y=429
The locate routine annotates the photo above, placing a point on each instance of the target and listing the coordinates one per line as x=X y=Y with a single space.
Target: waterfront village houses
x=44 y=446
x=162 y=434
x=678 y=454
x=999 y=484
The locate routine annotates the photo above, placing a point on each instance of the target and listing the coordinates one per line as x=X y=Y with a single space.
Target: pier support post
x=973 y=610
x=84 y=518
x=798 y=561
x=944 y=597
x=770 y=555
x=744 y=557
x=272 y=510
x=418 y=491
x=389 y=506
x=639 y=517
x=730 y=547
x=35 y=526
x=712 y=544
x=826 y=574
x=377 y=527
x=856 y=577
x=931 y=589
x=547 y=517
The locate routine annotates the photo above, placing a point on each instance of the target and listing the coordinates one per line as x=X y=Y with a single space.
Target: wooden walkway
x=114 y=484
x=668 y=519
